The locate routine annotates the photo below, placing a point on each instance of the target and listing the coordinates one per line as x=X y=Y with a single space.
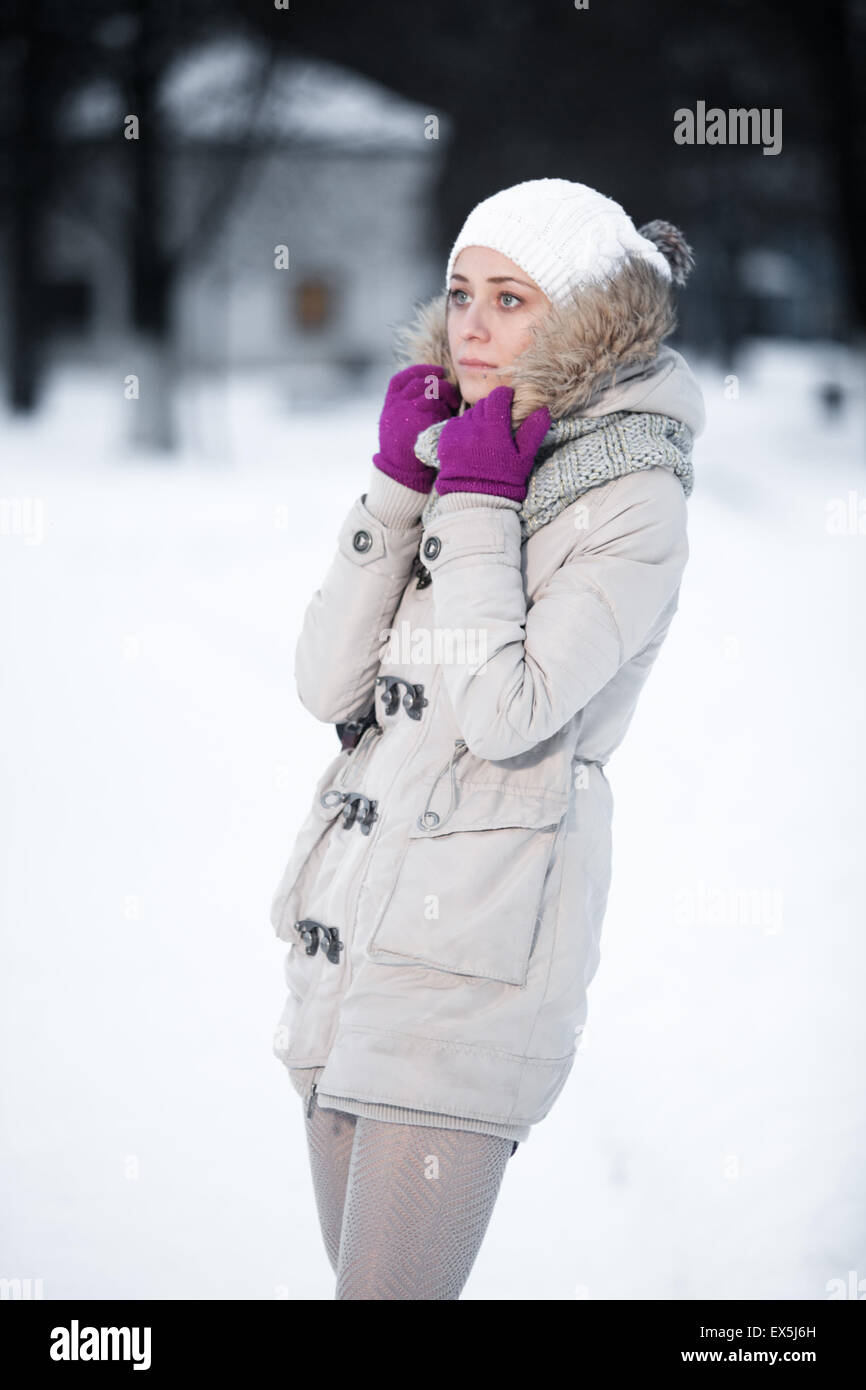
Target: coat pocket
x=308 y=848
x=467 y=894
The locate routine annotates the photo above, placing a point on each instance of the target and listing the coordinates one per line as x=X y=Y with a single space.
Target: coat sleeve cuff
x=465 y=501
x=392 y=503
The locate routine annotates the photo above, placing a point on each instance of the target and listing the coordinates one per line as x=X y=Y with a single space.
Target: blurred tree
x=28 y=177
x=838 y=46
x=48 y=52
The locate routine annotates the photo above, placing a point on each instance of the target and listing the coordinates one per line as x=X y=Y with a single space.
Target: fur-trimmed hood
x=601 y=352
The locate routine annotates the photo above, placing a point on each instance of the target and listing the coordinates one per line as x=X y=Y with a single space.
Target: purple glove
x=477 y=452
x=409 y=408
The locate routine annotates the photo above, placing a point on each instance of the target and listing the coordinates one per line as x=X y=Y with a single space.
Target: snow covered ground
x=156 y=762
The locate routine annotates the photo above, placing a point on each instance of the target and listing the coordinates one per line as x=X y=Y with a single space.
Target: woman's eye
x=452 y=294
x=506 y=294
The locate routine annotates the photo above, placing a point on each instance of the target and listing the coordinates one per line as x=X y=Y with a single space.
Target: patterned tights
x=403 y=1208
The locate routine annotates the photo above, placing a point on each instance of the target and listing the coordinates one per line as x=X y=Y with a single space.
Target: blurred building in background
x=296 y=208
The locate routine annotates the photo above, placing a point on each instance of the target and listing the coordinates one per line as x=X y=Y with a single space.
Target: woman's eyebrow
x=496 y=280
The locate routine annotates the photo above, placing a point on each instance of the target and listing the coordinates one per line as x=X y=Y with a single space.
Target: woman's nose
x=474 y=325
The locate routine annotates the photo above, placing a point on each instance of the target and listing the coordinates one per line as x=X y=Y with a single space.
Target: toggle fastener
x=354 y=802
x=413 y=700
x=312 y=932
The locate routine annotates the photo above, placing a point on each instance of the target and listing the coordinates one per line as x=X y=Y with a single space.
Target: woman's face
x=492 y=305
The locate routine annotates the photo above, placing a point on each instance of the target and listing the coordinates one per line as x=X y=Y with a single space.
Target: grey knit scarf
x=580 y=452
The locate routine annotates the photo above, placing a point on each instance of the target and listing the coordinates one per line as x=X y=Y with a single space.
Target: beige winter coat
x=463 y=904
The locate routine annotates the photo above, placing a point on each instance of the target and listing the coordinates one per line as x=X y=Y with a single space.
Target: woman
x=497 y=599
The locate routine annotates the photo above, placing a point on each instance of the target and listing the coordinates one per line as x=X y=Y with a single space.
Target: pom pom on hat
x=673 y=246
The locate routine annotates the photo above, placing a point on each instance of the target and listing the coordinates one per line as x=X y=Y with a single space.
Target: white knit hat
x=564 y=235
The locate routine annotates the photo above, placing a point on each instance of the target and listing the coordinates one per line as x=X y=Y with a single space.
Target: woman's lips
x=474 y=365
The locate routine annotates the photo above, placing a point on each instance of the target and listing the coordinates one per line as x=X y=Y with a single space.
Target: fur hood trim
x=577 y=349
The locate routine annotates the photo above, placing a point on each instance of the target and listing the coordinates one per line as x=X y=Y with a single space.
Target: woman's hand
x=414 y=400
x=478 y=453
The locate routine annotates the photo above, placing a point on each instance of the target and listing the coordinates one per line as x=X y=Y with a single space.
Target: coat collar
x=602 y=351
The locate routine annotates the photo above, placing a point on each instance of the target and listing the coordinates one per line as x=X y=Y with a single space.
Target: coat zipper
x=310 y=1101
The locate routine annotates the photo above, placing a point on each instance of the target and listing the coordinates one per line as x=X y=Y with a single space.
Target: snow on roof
x=228 y=87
